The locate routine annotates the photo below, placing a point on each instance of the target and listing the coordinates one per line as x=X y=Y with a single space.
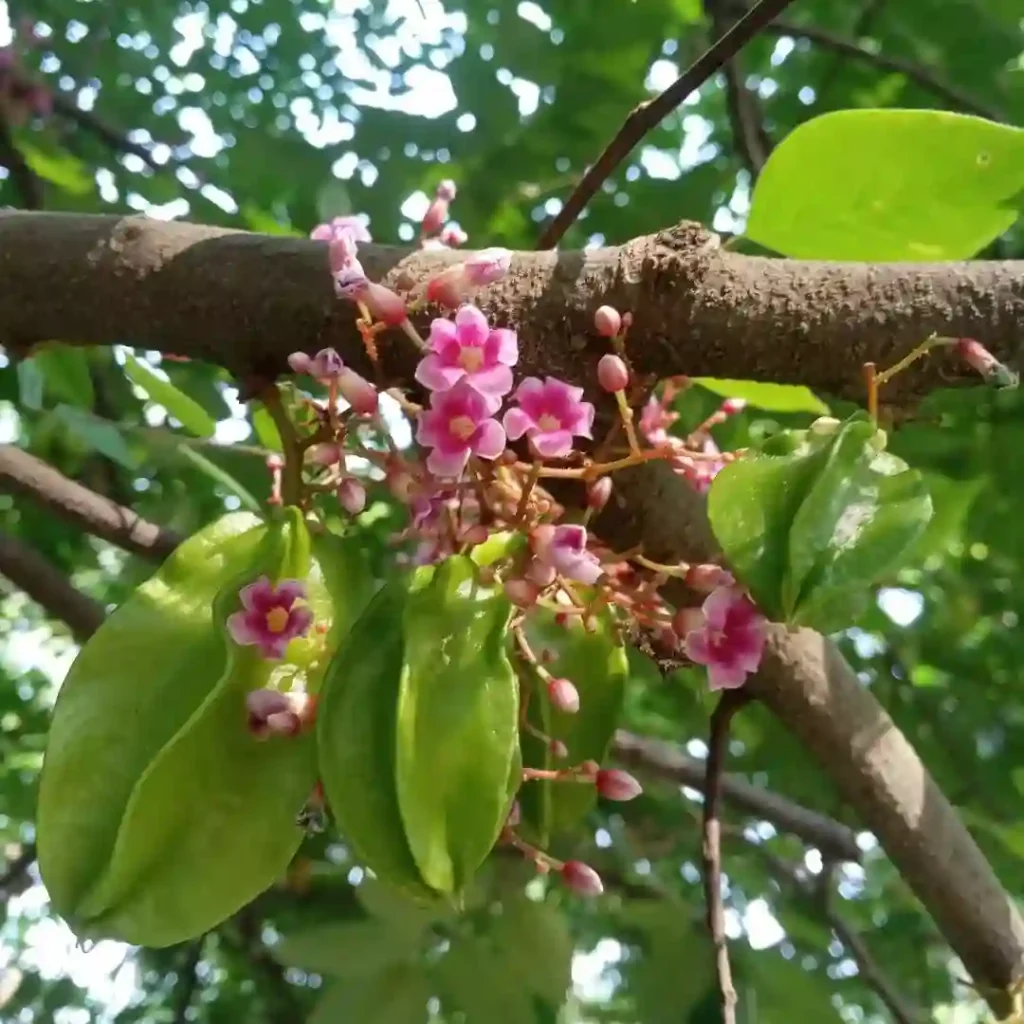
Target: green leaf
x=265 y=429
x=30 y=384
x=63 y=169
x=165 y=635
x=475 y=979
x=97 y=433
x=187 y=411
x=597 y=664
x=770 y=397
x=458 y=715
x=218 y=474
x=533 y=941
x=347 y=949
x=396 y=995
x=211 y=823
x=356 y=736
x=811 y=528
x=66 y=371
x=889 y=185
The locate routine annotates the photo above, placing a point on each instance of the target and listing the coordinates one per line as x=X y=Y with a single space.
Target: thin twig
x=649 y=114
x=15 y=876
x=918 y=74
x=718 y=740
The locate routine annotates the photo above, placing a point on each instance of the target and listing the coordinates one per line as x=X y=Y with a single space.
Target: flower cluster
x=486 y=445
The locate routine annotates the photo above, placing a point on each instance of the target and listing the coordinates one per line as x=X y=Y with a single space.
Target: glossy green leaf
x=889 y=185
x=211 y=823
x=809 y=530
x=97 y=433
x=164 y=635
x=187 y=411
x=66 y=372
x=61 y=169
x=770 y=397
x=457 y=721
x=356 y=736
x=597 y=664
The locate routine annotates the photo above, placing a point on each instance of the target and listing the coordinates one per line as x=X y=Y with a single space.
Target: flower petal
x=442 y=333
x=299 y=620
x=243 y=631
x=435 y=376
x=554 y=444
x=584 y=424
x=471 y=325
x=289 y=591
x=494 y=382
x=717 y=606
x=586 y=569
x=529 y=392
x=502 y=346
x=490 y=441
x=722 y=677
x=517 y=422
x=697 y=647
x=447 y=464
x=258 y=596
x=430 y=427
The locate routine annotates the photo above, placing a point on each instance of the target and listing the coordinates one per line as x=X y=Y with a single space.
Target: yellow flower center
x=471 y=359
x=277 y=620
x=548 y=423
x=462 y=427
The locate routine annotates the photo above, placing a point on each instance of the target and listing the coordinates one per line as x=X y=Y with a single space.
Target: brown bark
x=245 y=301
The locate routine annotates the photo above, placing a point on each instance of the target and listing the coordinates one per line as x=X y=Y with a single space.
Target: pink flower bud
x=325 y=455
x=686 y=620
x=436 y=215
x=446 y=190
x=706 y=578
x=598 y=493
x=558 y=749
x=582 y=878
x=488 y=266
x=541 y=573
x=275 y=462
x=341 y=254
x=352 y=495
x=612 y=373
x=477 y=534
x=564 y=696
x=273 y=713
x=353 y=284
x=613 y=784
x=607 y=321
x=300 y=362
x=731 y=406
x=358 y=392
x=590 y=768
x=453 y=236
x=327 y=364
x=522 y=593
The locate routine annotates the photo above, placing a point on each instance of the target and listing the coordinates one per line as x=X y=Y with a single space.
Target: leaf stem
x=291 y=444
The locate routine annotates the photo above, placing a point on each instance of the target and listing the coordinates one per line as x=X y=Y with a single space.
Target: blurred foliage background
x=272 y=114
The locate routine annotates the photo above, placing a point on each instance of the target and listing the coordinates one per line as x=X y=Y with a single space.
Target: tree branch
x=49 y=587
x=26 y=476
x=711 y=848
x=202 y=292
x=834 y=840
x=649 y=114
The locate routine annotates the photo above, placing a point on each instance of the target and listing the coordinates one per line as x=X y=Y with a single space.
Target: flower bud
x=614 y=784
x=453 y=236
x=522 y=593
x=300 y=362
x=581 y=878
x=435 y=216
x=564 y=696
x=558 y=749
x=686 y=620
x=598 y=493
x=358 y=392
x=352 y=495
x=273 y=713
x=824 y=426
x=325 y=455
x=608 y=321
x=612 y=373
x=706 y=578
x=732 y=406
x=541 y=573
x=590 y=768
x=446 y=190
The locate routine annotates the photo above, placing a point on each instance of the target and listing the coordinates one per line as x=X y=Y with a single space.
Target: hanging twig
x=718 y=740
x=649 y=114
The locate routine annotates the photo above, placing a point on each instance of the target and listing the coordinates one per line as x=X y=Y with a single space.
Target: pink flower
x=458 y=424
x=550 y=413
x=614 y=784
x=655 y=420
x=565 y=549
x=467 y=349
x=701 y=473
x=341 y=227
x=273 y=713
x=582 y=878
x=731 y=639
x=455 y=284
x=453 y=236
x=351 y=283
x=270 y=618
x=352 y=495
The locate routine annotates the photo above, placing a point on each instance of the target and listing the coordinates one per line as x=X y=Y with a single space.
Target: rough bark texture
x=245 y=301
